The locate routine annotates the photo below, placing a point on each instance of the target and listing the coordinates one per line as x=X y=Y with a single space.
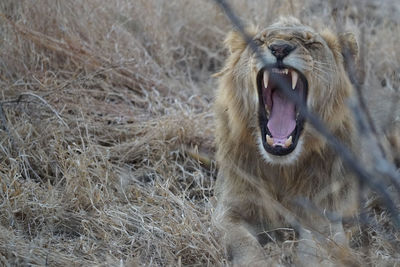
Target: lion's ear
x=344 y=43
x=234 y=41
x=349 y=44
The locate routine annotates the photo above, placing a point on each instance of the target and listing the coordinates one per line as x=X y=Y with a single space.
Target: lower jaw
x=279 y=150
x=283 y=160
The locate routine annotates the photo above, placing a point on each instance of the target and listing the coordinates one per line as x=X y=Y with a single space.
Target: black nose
x=281 y=50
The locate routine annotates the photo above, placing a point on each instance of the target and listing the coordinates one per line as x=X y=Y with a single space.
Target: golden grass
x=102 y=103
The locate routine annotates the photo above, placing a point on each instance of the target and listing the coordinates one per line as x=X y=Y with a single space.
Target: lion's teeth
x=295 y=77
x=288 y=141
x=270 y=141
x=280 y=71
x=266 y=79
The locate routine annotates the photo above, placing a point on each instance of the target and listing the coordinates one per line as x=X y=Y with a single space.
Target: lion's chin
x=288 y=159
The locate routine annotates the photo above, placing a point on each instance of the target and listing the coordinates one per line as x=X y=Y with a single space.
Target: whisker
x=323 y=71
x=326 y=69
x=323 y=63
x=325 y=79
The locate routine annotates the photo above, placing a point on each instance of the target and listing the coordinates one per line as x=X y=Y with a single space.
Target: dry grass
x=101 y=99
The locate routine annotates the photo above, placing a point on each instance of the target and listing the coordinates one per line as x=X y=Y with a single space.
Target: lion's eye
x=258 y=42
x=313 y=44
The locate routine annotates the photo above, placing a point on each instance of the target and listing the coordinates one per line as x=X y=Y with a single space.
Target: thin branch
x=366 y=125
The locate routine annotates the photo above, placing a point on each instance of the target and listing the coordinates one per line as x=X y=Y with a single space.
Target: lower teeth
x=270 y=141
x=288 y=142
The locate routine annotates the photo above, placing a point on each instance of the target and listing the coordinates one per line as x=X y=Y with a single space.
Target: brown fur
x=255 y=195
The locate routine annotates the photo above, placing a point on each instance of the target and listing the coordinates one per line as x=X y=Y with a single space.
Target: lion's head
x=297 y=59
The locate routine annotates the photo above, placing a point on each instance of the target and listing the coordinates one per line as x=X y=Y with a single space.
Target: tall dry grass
x=101 y=102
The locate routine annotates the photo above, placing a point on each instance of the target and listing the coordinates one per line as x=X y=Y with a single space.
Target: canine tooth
x=295 y=77
x=266 y=78
x=270 y=141
x=288 y=141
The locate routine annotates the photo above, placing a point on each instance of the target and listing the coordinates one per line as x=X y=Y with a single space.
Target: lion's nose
x=281 y=50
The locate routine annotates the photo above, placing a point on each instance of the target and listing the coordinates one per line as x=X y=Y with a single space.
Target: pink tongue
x=282 y=120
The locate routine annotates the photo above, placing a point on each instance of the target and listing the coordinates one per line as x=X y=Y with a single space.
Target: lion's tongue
x=282 y=120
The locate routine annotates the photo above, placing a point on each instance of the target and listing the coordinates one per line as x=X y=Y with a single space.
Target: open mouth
x=281 y=122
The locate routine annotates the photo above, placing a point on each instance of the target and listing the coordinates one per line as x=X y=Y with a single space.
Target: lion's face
x=295 y=59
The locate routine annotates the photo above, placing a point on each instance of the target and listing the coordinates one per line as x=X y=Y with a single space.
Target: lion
x=272 y=163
